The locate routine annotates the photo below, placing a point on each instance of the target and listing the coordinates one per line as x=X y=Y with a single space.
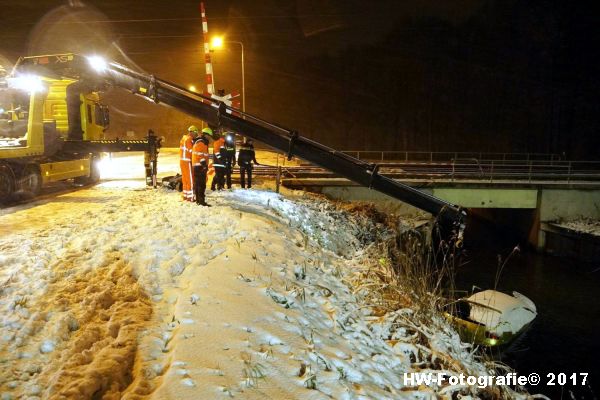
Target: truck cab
x=38 y=115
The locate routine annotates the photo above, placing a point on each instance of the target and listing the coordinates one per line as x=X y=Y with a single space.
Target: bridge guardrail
x=561 y=170
x=488 y=171
x=431 y=156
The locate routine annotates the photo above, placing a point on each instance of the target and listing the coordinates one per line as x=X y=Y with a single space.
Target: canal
x=565 y=337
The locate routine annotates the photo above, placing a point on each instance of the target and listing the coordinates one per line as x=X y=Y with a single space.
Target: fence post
x=278 y=179
x=492 y=172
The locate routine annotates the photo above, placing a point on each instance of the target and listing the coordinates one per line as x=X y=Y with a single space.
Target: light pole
x=218 y=42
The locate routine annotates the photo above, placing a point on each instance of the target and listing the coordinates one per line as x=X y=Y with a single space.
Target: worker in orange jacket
x=219 y=153
x=200 y=165
x=185 y=162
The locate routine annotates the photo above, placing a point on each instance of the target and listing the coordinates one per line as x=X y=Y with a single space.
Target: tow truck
x=52 y=128
x=71 y=108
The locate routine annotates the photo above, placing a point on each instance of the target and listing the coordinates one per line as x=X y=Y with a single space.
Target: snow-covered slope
x=119 y=291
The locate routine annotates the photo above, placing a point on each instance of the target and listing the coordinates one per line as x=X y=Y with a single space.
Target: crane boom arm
x=217 y=114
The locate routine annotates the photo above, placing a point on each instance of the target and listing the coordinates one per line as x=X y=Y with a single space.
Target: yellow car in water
x=491 y=318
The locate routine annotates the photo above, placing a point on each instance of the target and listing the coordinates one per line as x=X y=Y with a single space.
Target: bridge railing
x=536 y=171
x=467 y=170
x=433 y=156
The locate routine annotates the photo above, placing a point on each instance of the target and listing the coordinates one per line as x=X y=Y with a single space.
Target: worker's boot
x=202 y=202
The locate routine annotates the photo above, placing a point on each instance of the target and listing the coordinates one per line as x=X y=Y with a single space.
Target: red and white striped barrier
x=210 y=86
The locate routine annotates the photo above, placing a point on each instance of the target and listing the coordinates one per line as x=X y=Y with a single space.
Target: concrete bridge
x=522 y=191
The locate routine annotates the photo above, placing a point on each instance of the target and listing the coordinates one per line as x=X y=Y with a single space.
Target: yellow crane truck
x=75 y=79
x=52 y=129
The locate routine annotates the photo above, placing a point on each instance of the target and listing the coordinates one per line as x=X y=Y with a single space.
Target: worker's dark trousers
x=219 y=179
x=228 y=176
x=199 y=183
x=243 y=172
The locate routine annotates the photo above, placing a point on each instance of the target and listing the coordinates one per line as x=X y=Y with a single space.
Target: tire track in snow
x=85 y=330
x=99 y=361
x=73 y=304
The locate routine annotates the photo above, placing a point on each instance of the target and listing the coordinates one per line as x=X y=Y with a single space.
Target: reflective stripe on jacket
x=185 y=148
x=218 y=148
x=229 y=155
x=200 y=152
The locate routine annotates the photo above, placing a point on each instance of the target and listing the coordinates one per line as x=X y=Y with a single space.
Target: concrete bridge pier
x=547 y=205
x=564 y=205
x=522 y=210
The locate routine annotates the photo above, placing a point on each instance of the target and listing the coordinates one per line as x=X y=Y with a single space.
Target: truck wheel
x=7 y=182
x=31 y=180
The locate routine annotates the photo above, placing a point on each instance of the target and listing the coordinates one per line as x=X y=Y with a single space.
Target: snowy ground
x=119 y=291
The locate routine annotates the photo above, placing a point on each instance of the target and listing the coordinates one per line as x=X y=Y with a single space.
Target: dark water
x=565 y=337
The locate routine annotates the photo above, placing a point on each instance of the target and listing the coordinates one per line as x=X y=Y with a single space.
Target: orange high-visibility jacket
x=200 y=152
x=217 y=158
x=185 y=148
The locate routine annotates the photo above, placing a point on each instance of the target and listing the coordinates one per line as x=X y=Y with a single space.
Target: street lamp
x=218 y=42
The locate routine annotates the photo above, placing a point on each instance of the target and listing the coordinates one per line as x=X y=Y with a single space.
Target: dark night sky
x=416 y=75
